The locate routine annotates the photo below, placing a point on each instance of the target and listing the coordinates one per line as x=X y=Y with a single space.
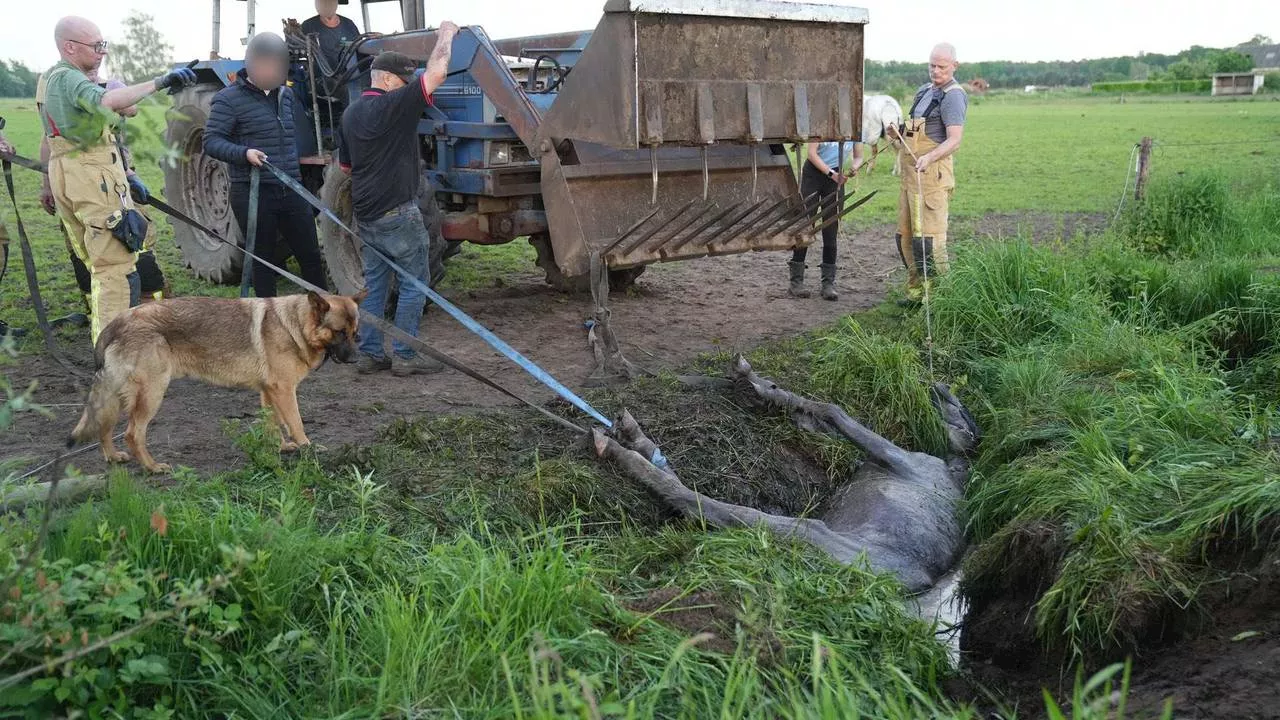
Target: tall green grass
x=1127 y=391
x=316 y=609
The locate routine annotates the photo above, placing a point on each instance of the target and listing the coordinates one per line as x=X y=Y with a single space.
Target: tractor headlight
x=499 y=153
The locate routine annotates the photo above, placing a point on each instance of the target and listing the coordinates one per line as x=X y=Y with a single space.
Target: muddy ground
x=675 y=312
x=1222 y=663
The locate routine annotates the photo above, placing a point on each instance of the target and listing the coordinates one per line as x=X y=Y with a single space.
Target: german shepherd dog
x=263 y=344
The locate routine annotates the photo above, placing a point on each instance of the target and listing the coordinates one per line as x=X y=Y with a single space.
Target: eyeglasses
x=99 y=47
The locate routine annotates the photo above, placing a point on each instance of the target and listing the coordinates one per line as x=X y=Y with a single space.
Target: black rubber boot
x=797 y=280
x=829 y=282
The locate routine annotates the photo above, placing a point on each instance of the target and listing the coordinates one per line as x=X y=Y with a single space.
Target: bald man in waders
x=153 y=284
x=88 y=174
x=930 y=135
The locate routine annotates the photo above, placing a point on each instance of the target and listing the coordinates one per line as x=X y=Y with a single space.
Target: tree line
x=1194 y=63
x=141 y=53
x=17 y=80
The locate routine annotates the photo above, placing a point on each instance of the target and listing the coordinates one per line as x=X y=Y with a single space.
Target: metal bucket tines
x=602 y=203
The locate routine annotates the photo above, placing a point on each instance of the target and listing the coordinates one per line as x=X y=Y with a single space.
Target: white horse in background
x=879 y=112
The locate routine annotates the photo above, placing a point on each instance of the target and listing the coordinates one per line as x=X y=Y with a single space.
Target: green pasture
x=1020 y=155
x=487 y=566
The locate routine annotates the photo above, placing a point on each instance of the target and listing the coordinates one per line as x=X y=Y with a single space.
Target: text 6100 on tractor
x=657 y=136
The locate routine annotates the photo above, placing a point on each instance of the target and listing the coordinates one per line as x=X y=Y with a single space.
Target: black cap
x=267 y=45
x=398 y=64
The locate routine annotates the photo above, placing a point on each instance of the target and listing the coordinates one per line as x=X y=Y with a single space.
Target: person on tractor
x=332 y=31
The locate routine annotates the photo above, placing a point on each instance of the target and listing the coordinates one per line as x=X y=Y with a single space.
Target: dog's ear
x=319 y=305
x=360 y=296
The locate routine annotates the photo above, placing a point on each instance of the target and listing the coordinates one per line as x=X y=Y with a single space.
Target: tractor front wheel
x=198 y=186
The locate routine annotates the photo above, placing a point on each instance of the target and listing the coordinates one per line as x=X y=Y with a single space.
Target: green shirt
x=73 y=105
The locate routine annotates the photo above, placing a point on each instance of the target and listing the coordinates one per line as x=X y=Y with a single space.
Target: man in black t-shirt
x=379 y=147
x=332 y=30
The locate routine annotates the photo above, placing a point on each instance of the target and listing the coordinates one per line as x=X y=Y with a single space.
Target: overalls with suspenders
x=89 y=184
x=925 y=198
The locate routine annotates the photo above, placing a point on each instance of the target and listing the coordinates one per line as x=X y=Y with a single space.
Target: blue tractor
x=658 y=136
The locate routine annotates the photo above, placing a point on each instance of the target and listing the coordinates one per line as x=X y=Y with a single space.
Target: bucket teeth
x=787 y=215
x=630 y=230
x=697 y=217
x=672 y=249
x=724 y=229
x=852 y=206
x=662 y=225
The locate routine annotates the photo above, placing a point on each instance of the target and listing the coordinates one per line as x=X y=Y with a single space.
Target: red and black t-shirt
x=379 y=144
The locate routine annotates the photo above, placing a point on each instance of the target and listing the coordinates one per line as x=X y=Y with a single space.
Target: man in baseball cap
x=379 y=146
x=398 y=64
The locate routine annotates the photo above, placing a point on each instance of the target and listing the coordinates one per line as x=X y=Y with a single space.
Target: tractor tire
x=618 y=279
x=198 y=186
x=342 y=251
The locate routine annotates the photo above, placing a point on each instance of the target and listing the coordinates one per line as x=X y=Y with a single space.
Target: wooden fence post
x=1144 y=168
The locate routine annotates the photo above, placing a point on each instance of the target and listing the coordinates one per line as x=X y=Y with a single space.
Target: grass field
x=483 y=566
x=1020 y=155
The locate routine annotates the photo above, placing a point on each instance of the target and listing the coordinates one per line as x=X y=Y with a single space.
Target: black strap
x=251 y=232
x=33 y=282
x=380 y=323
x=936 y=95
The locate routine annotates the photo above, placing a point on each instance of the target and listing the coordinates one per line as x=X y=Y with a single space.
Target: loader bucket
x=666 y=140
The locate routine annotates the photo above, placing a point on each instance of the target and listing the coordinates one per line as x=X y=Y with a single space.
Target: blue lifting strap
x=467 y=321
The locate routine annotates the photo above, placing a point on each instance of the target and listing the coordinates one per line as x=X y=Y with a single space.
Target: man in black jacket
x=252 y=121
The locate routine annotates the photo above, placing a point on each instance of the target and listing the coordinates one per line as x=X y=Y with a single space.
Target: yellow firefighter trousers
x=89 y=185
x=923 y=205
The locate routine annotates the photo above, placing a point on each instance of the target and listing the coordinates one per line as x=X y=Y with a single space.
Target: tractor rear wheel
x=198 y=186
x=342 y=251
x=618 y=279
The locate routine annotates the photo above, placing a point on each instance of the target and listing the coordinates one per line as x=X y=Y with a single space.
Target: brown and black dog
x=263 y=344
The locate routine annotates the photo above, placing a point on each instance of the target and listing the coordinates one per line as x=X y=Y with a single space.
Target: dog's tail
x=101 y=406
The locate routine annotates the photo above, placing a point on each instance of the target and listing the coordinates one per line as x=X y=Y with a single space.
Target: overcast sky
x=981 y=29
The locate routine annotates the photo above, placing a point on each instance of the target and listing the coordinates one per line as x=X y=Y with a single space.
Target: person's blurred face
x=267 y=72
x=942 y=68
x=326 y=8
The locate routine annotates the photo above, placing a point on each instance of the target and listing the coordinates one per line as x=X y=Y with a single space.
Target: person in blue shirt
x=822 y=175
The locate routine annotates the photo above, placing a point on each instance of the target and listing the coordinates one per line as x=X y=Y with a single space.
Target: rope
x=380 y=323
x=1124 y=193
x=64 y=456
x=1157 y=143
x=924 y=262
x=29 y=267
x=467 y=321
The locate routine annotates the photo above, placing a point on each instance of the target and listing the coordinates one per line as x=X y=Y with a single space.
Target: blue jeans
x=401 y=236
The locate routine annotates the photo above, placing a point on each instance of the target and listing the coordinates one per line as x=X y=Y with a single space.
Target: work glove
x=175 y=80
x=138 y=191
